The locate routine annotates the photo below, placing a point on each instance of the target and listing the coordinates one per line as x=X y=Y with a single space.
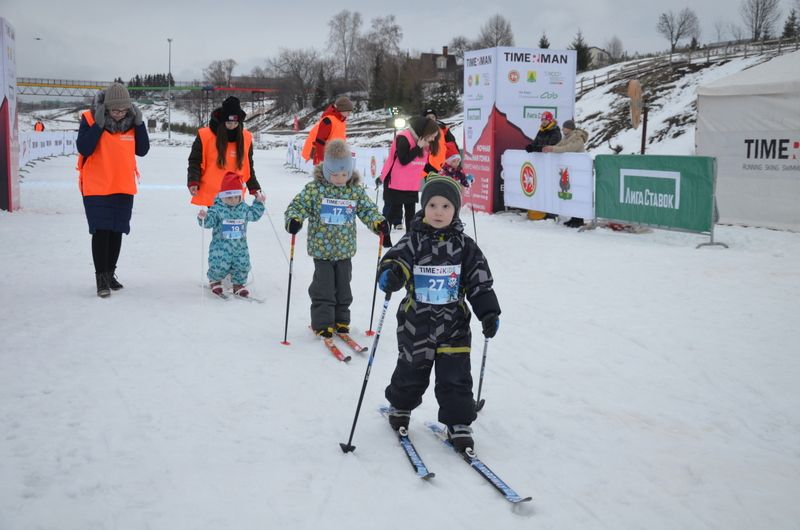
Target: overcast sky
x=100 y=40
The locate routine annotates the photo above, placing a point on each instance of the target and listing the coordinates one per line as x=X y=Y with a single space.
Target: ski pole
x=348 y=447
x=202 y=255
x=480 y=402
x=289 y=292
x=472 y=209
x=369 y=332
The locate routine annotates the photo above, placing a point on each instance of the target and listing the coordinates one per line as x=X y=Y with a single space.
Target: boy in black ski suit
x=439 y=265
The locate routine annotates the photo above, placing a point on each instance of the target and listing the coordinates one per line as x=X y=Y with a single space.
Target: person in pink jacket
x=406 y=166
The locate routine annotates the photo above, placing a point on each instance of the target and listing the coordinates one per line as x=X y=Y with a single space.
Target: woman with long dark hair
x=224 y=146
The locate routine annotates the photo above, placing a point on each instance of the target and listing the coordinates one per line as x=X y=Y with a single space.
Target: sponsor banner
x=557 y=183
x=665 y=191
x=531 y=81
x=480 y=67
x=479 y=160
x=36 y=145
x=9 y=139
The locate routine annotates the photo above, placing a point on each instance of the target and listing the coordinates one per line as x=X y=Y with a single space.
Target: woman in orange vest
x=224 y=146
x=447 y=143
x=109 y=138
x=38 y=126
x=331 y=126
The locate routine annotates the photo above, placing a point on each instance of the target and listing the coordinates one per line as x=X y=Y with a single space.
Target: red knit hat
x=231 y=185
x=547 y=115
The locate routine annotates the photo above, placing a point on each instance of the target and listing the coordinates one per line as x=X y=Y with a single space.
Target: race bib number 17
x=337 y=211
x=437 y=284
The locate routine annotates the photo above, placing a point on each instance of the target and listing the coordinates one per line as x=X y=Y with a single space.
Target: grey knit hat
x=117 y=97
x=569 y=124
x=343 y=104
x=337 y=158
x=443 y=186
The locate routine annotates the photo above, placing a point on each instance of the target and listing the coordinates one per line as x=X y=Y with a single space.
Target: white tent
x=750 y=122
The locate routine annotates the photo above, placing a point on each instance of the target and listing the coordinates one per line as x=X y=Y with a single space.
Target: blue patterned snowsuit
x=228 y=252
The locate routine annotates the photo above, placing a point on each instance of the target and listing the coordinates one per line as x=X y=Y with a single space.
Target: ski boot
x=461 y=437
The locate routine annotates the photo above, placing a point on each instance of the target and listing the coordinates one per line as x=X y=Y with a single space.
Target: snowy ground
x=636 y=382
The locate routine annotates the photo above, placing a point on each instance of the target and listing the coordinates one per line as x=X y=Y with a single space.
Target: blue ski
x=411 y=451
x=476 y=464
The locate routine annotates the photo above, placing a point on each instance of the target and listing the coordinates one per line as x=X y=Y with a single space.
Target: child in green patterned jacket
x=330 y=203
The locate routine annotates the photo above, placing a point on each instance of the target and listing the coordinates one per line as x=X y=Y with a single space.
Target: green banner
x=666 y=191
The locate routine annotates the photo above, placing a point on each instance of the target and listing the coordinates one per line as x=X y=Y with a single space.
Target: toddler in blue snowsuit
x=228 y=218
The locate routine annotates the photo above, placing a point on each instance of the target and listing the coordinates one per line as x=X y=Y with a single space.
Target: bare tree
x=496 y=32
x=382 y=39
x=615 y=49
x=760 y=16
x=458 y=45
x=719 y=30
x=300 y=68
x=343 y=37
x=736 y=31
x=219 y=72
x=674 y=27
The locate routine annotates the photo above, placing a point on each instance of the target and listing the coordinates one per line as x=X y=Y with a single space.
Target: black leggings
x=397 y=210
x=106 y=245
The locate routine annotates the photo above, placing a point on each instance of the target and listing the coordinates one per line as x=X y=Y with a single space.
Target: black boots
x=103 y=287
x=106 y=282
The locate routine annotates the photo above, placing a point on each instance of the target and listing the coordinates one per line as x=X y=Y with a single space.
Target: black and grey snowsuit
x=430 y=334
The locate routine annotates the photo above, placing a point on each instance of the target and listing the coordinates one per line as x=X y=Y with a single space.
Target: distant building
x=599 y=56
x=441 y=67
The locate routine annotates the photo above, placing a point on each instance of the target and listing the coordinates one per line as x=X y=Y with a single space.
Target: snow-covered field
x=636 y=382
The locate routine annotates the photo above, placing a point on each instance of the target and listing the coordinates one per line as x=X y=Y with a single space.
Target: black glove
x=391 y=279
x=383 y=228
x=137 y=115
x=378 y=182
x=491 y=323
x=294 y=226
x=100 y=114
x=529 y=148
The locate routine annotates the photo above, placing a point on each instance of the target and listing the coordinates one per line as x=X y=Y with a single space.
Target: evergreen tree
x=543 y=42
x=584 y=58
x=791 y=28
x=377 y=92
x=320 y=95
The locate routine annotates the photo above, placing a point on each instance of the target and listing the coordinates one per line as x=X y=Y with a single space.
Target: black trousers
x=330 y=293
x=453 y=387
x=397 y=211
x=106 y=245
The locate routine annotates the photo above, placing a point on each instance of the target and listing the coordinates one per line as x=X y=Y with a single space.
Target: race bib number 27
x=437 y=284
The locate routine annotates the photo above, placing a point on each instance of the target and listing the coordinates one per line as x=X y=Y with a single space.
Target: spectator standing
x=574 y=141
x=110 y=137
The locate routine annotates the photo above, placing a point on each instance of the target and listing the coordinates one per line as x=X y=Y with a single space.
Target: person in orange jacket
x=331 y=126
x=224 y=146
x=110 y=137
x=38 y=126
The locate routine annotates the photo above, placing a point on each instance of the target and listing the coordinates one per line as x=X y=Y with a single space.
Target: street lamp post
x=169 y=92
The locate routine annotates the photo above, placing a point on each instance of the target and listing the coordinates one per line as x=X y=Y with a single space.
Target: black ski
x=471 y=458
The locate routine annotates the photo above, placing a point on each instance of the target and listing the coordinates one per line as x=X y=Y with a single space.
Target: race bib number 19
x=233 y=228
x=337 y=211
x=437 y=284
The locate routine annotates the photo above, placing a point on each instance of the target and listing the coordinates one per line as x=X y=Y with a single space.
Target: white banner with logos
x=557 y=183
x=36 y=145
x=480 y=68
x=368 y=160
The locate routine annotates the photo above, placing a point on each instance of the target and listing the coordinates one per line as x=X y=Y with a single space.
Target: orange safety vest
x=38 y=126
x=438 y=159
x=338 y=131
x=210 y=174
x=111 y=168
